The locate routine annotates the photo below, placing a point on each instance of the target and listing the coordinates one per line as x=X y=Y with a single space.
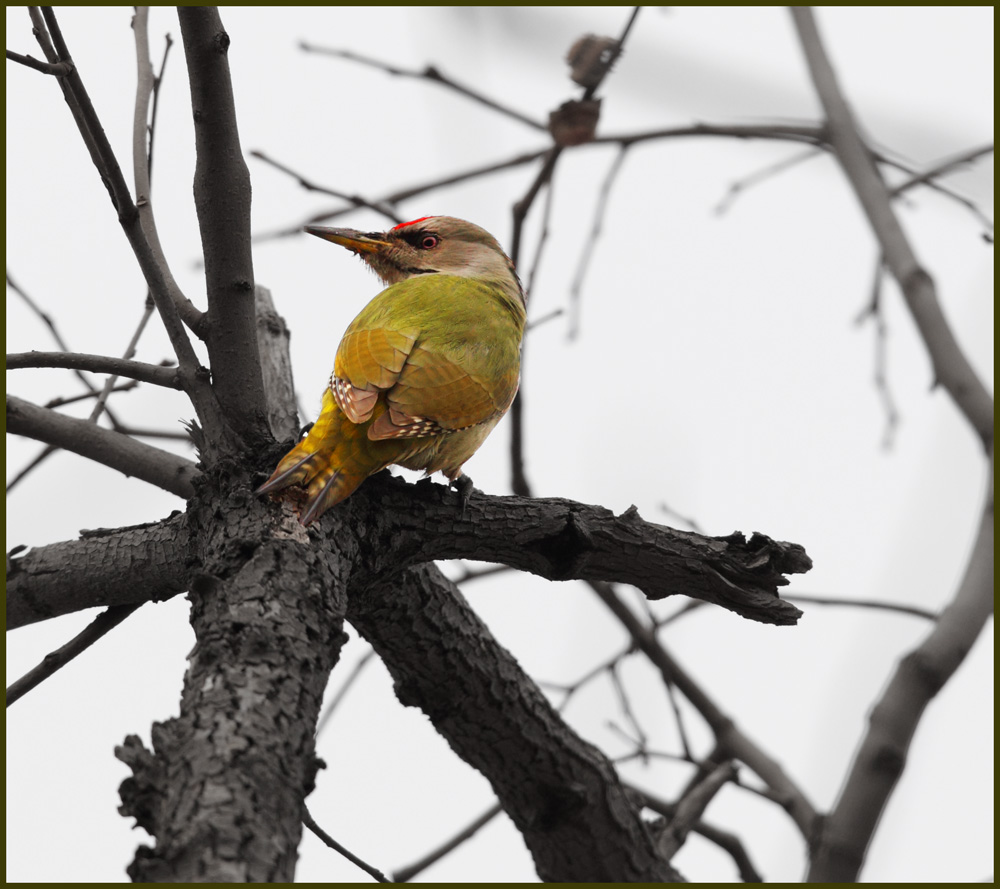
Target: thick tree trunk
x=224 y=789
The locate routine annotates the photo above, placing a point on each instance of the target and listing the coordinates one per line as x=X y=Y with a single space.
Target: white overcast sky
x=718 y=369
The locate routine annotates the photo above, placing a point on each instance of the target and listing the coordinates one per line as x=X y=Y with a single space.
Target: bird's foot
x=462 y=484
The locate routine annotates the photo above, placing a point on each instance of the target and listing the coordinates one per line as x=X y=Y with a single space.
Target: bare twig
x=741 y=185
x=405 y=874
x=195 y=383
x=344 y=689
x=57 y=69
x=952 y=369
x=136 y=370
x=143 y=133
x=726 y=841
x=56 y=660
x=544 y=319
x=728 y=735
x=590 y=245
x=62 y=401
x=429 y=73
x=158 y=467
x=691 y=807
x=874 y=311
x=692 y=523
x=310 y=822
x=949 y=164
x=862 y=603
x=383 y=203
x=308 y=184
x=157 y=83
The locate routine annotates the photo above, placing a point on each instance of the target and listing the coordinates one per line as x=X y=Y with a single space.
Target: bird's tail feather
x=328 y=463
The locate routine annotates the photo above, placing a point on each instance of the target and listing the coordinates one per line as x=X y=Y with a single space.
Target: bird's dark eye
x=428 y=242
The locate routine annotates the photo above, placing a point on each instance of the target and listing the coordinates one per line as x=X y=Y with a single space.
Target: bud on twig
x=575 y=122
x=590 y=58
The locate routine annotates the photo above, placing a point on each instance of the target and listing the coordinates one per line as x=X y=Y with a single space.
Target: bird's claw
x=462 y=484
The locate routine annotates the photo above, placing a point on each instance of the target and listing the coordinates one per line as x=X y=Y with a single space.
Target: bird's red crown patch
x=411 y=222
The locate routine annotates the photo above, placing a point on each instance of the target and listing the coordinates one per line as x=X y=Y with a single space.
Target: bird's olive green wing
x=368 y=361
x=438 y=347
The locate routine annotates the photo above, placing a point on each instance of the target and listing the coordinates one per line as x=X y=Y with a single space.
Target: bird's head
x=431 y=245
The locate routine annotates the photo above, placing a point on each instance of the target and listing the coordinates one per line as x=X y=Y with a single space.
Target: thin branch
x=590 y=245
x=57 y=69
x=135 y=370
x=222 y=201
x=952 y=369
x=355 y=200
x=157 y=83
x=310 y=822
x=874 y=311
x=691 y=522
x=692 y=806
x=863 y=603
x=143 y=131
x=58 y=659
x=943 y=167
x=381 y=204
x=158 y=467
x=741 y=185
x=728 y=842
x=33 y=464
x=195 y=383
x=847 y=831
x=405 y=874
x=626 y=706
x=62 y=401
x=544 y=319
x=343 y=690
x=429 y=73
x=728 y=735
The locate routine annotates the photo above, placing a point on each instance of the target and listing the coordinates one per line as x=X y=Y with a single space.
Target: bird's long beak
x=356 y=241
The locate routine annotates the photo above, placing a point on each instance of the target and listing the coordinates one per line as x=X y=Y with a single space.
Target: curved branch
x=102 y=364
x=222 y=200
x=564 y=540
x=879 y=763
x=731 y=740
x=126 y=566
x=142 y=150
x=54 y=661
x=195 y=383
x=951 y=368
x=565 y=798
x=161 y=468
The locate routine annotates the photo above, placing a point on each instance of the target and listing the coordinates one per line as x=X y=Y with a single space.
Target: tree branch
x=222 y=199
x=142 y=154
x=276 y=367
x=561 y=793
x=135 y=370
x=892 y=723
x=160 y=468
x=951 y=368
x=195 y=383
x=730 y=739
x=429 y=73
x=54 y=661
x=564 y=540
x=125 y=566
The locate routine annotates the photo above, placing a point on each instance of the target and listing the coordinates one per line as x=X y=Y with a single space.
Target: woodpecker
x=424 y=372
